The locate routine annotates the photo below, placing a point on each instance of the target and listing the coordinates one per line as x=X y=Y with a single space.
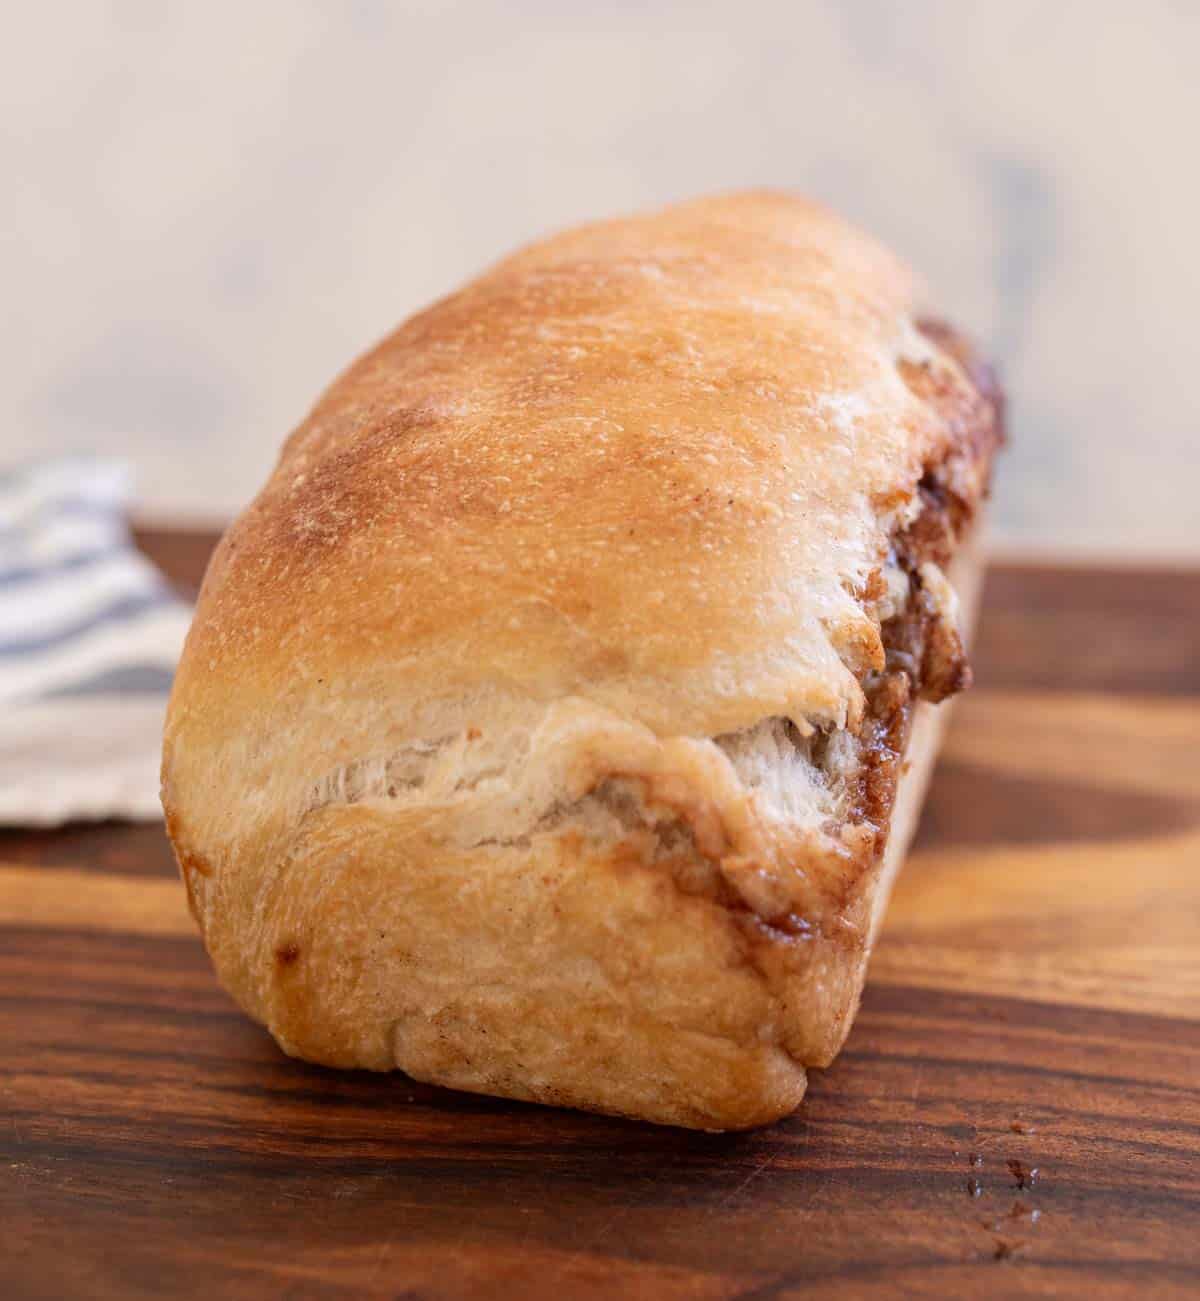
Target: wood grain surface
x=1017 y=1111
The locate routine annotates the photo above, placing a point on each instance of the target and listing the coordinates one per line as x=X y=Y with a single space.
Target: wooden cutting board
x=1017 y=1111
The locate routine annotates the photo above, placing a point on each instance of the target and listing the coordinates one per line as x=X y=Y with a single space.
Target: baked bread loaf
x=554 y=721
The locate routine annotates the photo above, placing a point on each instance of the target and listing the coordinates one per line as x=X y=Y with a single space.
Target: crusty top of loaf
x=646 y=468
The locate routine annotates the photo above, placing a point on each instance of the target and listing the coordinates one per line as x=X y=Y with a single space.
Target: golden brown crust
x=506 y=634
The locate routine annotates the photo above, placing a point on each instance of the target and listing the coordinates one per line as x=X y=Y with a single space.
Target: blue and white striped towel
x=89 y=637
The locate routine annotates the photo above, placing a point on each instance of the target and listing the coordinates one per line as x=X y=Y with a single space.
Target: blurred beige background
x=213 y=207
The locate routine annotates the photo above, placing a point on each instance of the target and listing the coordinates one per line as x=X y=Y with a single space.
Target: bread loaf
x=553 y=722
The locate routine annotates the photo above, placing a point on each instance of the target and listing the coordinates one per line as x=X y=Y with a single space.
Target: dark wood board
x=1034 y=1004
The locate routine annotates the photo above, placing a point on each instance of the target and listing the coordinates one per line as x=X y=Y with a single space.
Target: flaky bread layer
x=586 y=964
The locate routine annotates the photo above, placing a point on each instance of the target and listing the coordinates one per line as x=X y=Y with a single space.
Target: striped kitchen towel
x=89 y=637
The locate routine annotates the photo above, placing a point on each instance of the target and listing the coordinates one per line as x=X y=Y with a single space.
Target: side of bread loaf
x=544 y=721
